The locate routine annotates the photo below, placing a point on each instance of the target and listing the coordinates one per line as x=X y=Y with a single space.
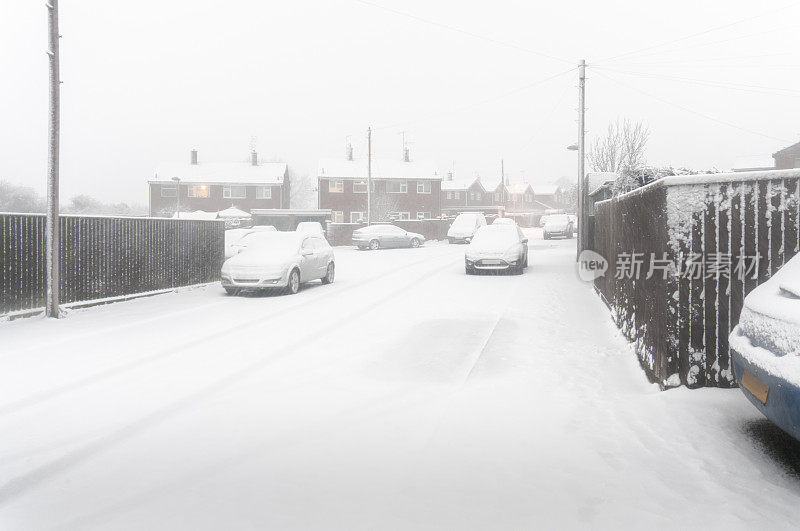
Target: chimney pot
x=405 y=155
x=254 y=158
x=193 y=158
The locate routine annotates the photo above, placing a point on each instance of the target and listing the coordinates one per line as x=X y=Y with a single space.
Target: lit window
x=336 y=186
x=169 y=191
x=199 y=190
x=234 y=192
x=359 y=187
x=264 y=192
x=397 y=187
x=424 y=187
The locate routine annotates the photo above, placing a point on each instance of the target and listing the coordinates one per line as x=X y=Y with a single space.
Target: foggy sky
x=146 y=81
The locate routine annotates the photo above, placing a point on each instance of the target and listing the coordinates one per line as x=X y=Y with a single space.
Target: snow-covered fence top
x=683 y=252
x=104 y=257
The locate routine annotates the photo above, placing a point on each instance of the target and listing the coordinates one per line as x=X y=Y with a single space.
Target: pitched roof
x=788 y=148
x=596 y=179
x=381 y=169
x=223 y=172
x=546 y=189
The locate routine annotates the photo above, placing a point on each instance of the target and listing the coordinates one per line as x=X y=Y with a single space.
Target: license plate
x=757 y=388
x=491 y=262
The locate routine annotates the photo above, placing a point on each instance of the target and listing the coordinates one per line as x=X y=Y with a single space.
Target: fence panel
x=105 y=257
x=741 y=228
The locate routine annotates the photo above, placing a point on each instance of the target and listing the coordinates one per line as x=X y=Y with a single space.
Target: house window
x=234 y=192
x=423 y=215
x=397 y=187
x=360 y=187
x=457 y=195
x=337 y=216
x=356 y=217
x=264 y=192
x=403 y=215
x=199 y=190
x=424 y=187
x=472 y=196
x=449 y=195
x=336 y=186
x=497 y=196
x=169 y=191
x=477 y=196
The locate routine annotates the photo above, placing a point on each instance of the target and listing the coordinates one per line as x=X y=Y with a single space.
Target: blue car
x=765 y=348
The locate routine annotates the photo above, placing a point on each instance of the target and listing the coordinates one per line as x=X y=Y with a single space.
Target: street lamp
x=572 y=147
x=177 y=182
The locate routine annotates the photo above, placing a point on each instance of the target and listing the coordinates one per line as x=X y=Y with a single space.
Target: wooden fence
x=718 y=236
x=105 y=257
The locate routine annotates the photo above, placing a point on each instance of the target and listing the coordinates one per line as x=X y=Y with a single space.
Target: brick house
x=521 y=197
x=787 y=158
x=401 y=189
x=459 y=193
x=212 y=187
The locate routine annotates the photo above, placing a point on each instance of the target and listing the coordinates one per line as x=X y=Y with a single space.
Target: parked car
x=574 y=219
x=383 y=236
x=282 y=260
x=543 y=220
x=497 y=248
x=310 y=227
x=235 y=238
x=765 y=348
x=504 y=221
x=558 y=225
x=464 y=227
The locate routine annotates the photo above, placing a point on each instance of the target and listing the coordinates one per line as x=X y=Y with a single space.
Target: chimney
x=193 y=159
x=254 y=158
x=405 y=154
x=349 y=152
x=449 y=176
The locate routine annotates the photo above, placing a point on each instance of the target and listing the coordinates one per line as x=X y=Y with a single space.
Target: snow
x=196 y=215
x=381 y=169
x=233 y=212
x=754 y=162
x=406 y=395
x=223 y=172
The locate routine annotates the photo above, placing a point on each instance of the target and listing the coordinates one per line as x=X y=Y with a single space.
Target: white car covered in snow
x=464 y=227
x=504 y=221
x=282 y=260
x=765 y=348
x=237 y=239
x=497 y=248
x=558 y=225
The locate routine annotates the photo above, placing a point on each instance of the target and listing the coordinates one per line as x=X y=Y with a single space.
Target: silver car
x=497 y=248
x=279 y=260
x=558 y=225
x=384 y=236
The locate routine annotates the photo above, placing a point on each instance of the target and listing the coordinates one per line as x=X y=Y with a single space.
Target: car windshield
x=274 y=243
x=495 y=236
x=465 y=221
x=557 y=220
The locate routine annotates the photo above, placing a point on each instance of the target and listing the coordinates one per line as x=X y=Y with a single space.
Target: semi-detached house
x=401 y=189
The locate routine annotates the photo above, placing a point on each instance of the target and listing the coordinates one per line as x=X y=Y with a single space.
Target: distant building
x=787 y=158
x=401 y=189
x=212 y=186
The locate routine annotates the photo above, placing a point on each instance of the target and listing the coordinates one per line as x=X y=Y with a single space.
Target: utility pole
x=583 y=221
x=369 y=175
x=52 y=224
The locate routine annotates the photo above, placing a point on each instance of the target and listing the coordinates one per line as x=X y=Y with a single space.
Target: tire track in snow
x=172 y=351
x=21 y=484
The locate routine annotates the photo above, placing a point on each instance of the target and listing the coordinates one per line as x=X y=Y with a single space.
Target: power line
x=464 y=32
x=477 y=103
x=699 y=33
x=692 y=111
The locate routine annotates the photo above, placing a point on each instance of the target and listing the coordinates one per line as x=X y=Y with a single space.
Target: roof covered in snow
x=233 y=212
x=596 y=179
x=546 y=189
x=381 y=169
x=223 y=172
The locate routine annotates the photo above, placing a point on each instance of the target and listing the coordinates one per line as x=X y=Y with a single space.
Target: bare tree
x=621 y=150
x=303 y=191
x=383 y=206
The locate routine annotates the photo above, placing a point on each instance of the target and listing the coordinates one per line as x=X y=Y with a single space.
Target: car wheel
x=450 y=240
x=294 y=282
x=414 y=243
x=374 y=245
x=328 y=278
x=231 y=291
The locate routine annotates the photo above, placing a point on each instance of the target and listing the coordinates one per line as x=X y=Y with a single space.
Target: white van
x=464 y=227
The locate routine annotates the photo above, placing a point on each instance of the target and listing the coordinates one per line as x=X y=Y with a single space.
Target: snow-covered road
x=405 y=395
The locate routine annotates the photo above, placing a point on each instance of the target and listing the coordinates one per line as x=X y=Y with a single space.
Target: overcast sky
x=146 y=81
